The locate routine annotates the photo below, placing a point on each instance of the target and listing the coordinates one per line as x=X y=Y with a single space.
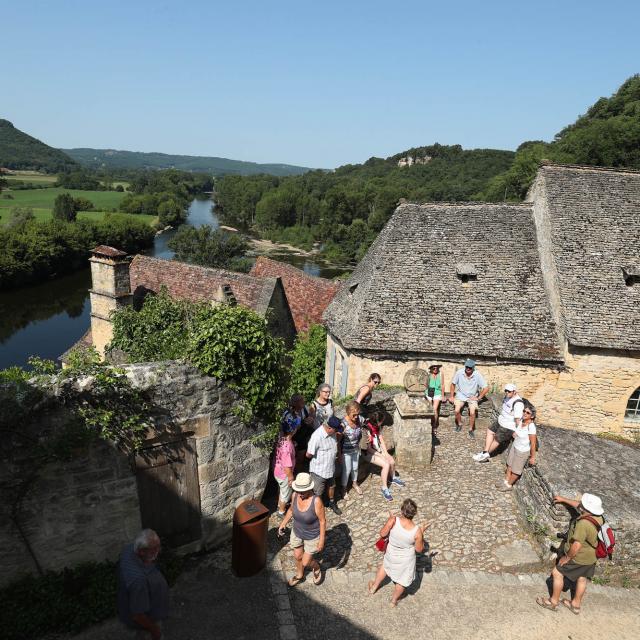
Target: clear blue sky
x=319 y=83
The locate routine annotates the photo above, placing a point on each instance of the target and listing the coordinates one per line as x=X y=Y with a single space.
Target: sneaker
x=482 y=457
x=472 y=434
x=280 y=514
x=457 y=428
x=400 y=483
x=505 y=487
x=387 y=495
x=335 y=508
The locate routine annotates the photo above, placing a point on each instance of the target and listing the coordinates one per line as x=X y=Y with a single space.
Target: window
x=466 y=272
x=633 y=407
x=631 y=275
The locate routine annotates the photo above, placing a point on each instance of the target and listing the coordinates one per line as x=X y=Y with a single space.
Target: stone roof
x=84 y=343
x=308 y=296
x=190 y=282
x=408 y=293
x=592 y=217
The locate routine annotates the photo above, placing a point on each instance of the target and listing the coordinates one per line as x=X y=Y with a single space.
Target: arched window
x=633 y=407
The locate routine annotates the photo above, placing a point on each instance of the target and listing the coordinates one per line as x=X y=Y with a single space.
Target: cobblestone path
x=471 y=519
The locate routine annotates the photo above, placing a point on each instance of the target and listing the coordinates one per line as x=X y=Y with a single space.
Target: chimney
x=110 y=290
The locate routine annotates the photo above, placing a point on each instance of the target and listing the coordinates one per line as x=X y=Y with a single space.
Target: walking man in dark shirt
x=143 y=593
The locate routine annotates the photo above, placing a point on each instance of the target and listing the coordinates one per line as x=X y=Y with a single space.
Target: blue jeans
x=350 y=466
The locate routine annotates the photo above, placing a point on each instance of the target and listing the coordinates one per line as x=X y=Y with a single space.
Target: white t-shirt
x=521 y=441
x=512 y=409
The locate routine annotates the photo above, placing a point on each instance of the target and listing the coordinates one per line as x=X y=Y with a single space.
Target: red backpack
x=606 y=539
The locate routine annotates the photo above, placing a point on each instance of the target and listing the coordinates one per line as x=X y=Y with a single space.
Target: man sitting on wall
x=143 y=593
x=469 y=388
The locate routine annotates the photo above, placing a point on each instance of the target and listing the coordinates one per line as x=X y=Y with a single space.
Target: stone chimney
x=110 y=290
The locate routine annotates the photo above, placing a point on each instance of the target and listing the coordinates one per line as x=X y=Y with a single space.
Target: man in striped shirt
x=322 y=451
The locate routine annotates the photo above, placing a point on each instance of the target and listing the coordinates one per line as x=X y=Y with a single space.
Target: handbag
x=431 y=392
x=381 y=544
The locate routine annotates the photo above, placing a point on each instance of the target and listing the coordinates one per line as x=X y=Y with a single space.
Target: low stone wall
x=571 y=463
x=88 y=508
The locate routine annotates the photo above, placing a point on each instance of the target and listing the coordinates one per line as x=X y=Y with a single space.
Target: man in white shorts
x=469 y=388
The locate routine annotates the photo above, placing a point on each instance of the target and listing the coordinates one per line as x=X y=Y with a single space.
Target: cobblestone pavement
x=472 y=522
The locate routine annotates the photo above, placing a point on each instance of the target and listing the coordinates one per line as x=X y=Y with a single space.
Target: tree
x=64 y=208
x=171 y=213
x=83 y=204
x=307 y=361
x=210 y=248
x=20 y=215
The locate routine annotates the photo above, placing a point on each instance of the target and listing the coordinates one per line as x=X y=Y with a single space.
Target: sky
x=318 y=84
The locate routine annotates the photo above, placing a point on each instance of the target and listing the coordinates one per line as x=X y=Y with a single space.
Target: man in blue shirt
x=469 y=388
x=143 y=593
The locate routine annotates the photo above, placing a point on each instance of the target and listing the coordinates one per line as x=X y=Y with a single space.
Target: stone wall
x=570 y=464
x=87 y=509
x=589 y=393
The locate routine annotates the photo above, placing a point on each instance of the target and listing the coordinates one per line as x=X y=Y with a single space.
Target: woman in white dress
x=405 y=539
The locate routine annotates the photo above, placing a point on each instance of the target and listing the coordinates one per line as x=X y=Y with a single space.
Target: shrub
x=83 y=204
x=307 y=361
x=64 y=208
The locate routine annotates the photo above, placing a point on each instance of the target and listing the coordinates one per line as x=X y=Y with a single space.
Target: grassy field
x=30 y=176
x=41 y=201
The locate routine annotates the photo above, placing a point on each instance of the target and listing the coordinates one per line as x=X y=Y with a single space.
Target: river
x=46 y=319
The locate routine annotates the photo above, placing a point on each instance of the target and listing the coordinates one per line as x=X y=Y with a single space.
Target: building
x=545 y=294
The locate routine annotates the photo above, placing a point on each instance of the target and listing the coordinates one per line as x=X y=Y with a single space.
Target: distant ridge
x=115 y=159
x=18 y=150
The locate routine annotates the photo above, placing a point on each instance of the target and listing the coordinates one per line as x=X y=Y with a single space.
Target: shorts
x=472 y=404
x=572 y=570
x=516 y=460
x=434 y=398
x=502 y=433
x=285 y=489
x=309 y=546
x=319 y=483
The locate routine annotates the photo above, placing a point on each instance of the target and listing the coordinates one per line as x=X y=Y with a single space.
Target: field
x=30 y=176
x=41 y=201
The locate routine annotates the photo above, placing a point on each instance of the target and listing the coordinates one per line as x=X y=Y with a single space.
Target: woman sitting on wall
x=435 y=392
x=365 y=392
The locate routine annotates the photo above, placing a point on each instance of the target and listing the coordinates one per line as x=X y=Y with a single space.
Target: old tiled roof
x=190 y=282
x=307 y=295
x=592 y=217
x=406 y=294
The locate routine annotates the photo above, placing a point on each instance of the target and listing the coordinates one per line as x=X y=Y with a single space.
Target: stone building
x=545 y=294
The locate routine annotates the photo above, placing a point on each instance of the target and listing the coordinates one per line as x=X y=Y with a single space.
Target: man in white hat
x=578 y=559
x=509 y=419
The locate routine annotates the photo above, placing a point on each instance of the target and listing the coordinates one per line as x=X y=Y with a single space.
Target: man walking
x=509 y=420
x=143 y=593
x=322 y=450
x=469 y=388
x=578 y=559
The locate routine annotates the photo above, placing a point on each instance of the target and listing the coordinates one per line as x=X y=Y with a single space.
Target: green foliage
x=171 y=212
x=159 y=331
x=20 y=151
x=83 y=204
x=35 y=251
x=67 y=601
x=307 y=361
x=80 y=179
x=21 y=215
x=64 y=208
x=210 y=247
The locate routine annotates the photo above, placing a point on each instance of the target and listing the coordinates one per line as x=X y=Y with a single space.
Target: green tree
x=307 y=361
x=171 y=212
x=20 y=216
x=83 y=204
x=210 y=247
x=64 y=208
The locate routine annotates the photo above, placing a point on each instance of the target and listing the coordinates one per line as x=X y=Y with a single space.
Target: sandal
x=317 y=576
x=567 y=603
x=545 y=603
x=293 y=581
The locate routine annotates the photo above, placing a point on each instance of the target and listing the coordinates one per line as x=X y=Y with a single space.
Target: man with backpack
x=509 y=419
x=589 y=538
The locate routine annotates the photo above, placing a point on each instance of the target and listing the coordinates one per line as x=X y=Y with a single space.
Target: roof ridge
x=291 y=267
x=465 y=203
x=588 y=167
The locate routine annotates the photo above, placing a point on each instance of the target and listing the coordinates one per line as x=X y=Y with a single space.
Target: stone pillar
x=110 y=290
x=412 y=430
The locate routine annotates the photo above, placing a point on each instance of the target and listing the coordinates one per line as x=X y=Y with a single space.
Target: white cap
x=592 y=504
x=510 y=387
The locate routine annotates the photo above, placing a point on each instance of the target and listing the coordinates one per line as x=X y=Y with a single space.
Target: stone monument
x=412 y=420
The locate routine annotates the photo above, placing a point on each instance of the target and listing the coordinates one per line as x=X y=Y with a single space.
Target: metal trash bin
x=249 y=542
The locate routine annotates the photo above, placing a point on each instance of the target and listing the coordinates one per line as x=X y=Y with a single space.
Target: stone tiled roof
x=592 y=218
x=308 y=296
x=190 y=282
x=408 y=293
x=85 y=342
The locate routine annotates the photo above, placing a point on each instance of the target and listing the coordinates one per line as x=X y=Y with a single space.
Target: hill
x=607 y=135
x=19 y=150
x=345 y=209
x=114 y=159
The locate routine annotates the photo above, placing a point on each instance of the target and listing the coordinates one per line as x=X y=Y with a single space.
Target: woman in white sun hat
x=578 y=559
x=309 y=528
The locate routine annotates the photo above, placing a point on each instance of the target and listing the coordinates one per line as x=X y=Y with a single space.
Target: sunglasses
x=527 y=411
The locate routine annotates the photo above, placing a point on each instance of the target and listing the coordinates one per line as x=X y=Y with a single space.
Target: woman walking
x=405 y=540
x=434 y=392
x=377 y=454
x=284 y=462
x=309 y=528
x=321 y=409
x=352 y=423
